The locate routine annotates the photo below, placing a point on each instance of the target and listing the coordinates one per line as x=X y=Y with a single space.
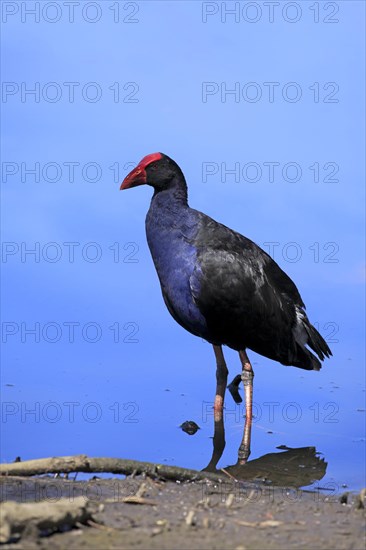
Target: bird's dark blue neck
x=169 y=218
x=172 y=197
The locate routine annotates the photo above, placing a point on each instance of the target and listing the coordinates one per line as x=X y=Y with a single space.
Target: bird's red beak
x=137 y=176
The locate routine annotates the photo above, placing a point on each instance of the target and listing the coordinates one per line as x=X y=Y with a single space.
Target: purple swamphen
x=221 y=286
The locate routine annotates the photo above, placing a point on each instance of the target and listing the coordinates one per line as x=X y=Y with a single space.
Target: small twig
x=261 y=524
x=134 y=499
x=100 y=526
x=190 y=518
x=229 y=500
x=228 y=474
x=141 y=490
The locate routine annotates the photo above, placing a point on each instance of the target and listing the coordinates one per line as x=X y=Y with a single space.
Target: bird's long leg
x=221 y=381
x=219 y=430
x=218 y=444
x=247 y=376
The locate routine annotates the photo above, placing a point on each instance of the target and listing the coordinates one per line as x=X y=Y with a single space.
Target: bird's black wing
x=246 y=298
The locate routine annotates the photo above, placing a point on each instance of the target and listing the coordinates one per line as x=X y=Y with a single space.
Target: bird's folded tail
x=307 y=335
x=316 y=342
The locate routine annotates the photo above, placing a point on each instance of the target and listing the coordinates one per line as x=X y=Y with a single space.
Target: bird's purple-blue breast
x=171 y=237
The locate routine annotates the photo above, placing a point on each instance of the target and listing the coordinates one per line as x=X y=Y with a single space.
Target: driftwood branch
x=83 y=463
x=43 y=517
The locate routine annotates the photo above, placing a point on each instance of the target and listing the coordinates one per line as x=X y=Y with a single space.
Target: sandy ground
x=200 y=515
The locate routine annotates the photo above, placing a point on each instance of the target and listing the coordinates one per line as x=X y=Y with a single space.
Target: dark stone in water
x=189 y=427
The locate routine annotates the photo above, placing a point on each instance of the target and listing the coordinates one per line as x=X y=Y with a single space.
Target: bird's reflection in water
x=287 y=468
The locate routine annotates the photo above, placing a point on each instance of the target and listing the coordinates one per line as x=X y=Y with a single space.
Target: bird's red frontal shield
x=137 y=176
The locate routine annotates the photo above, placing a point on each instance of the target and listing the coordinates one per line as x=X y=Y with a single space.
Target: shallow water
x=79 y=399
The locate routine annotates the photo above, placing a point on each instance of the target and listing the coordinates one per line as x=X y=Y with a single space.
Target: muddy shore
x=199 y=515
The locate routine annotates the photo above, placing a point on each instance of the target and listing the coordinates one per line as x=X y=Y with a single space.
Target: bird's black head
x=157 y=170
